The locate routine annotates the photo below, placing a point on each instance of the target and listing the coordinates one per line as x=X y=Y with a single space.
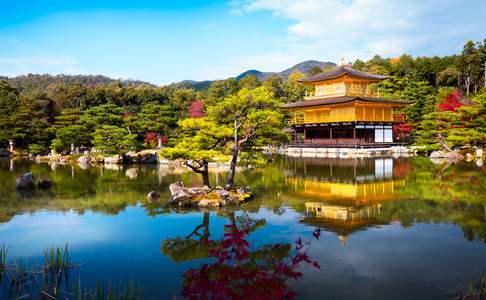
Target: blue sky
x=167 y=41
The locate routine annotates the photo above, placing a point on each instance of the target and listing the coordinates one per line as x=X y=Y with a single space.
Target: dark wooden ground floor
x=344 y=135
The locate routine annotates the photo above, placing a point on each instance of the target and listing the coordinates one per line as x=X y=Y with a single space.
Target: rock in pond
x=116 y=159
x=453 y=156
x=479 y=153
x=206 y=197
x=84 y=160
x=153 y=195
x=437 y=154
x=149 y=158
x=4 y=153
x=25 y=181
x=44 y=184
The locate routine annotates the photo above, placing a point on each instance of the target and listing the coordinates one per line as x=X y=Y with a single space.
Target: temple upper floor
x=342 y=81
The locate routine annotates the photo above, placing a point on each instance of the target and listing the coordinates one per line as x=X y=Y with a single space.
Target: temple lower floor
x=343 y=134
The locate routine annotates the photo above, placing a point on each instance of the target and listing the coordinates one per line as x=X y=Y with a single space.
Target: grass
x=20 y=280
x=3 y=257
x=476 y=291
x=57 y=259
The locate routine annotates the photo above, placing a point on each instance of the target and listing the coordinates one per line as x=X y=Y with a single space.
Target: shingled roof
x=340 y=71
x=342 y=99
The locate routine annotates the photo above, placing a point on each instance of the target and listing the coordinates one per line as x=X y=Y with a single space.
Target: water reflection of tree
x=238 y=270
x=193 y=246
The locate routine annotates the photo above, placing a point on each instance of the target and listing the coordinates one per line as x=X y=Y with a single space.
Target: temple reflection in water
x=345 y=195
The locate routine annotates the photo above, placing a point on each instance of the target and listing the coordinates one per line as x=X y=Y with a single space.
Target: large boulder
x=453 y=155
x=44 y=184
x=149 y=158
x=4 y=153
x=205 y=197
x=84 y=160
x=437 y=154
x=25 y=181
x=115 y=159
x=153 y=196
x=132 y=158
x=479 y=153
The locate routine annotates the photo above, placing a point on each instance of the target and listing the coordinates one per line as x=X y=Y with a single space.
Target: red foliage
x=240 y=274
x=452 y=101
x=151 y=137
x=196 y=109
x=402 y=131
x=164 y=139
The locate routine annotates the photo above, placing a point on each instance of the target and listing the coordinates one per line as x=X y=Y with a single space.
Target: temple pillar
x=330 y=133
x=305 y=134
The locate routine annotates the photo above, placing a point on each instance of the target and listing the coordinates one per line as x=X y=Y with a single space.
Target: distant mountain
x=303 y=67
x=192 y=84
x=260 y=75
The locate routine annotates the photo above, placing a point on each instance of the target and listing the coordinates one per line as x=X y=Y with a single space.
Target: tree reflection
x=239 y=270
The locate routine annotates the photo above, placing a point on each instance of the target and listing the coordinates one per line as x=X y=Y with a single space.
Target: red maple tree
x=452 y=101
x=151 y=138
x=196 y=109
x=402 y=131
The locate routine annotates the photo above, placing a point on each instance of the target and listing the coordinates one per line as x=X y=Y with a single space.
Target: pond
x=401 y=228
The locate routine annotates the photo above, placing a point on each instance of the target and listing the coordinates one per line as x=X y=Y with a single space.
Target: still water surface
x=392 y=228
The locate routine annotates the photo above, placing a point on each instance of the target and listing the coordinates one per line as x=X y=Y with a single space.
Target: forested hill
x=307 y=67
x=41 y=82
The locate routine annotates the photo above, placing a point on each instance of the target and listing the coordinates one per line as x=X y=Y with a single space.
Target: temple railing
x=315 y=119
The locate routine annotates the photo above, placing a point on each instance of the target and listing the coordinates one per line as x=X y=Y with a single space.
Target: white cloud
x=15 y=65
x=362 y=28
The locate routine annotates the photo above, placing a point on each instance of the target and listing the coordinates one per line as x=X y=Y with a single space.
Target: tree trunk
x=201 y=169
x=205 y=174
x=232 y=170
x=234 y=159
x=443 y=143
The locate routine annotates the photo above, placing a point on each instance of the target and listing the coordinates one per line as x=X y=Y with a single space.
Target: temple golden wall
x=346 y=113
x=342 y=87
x=338 y=114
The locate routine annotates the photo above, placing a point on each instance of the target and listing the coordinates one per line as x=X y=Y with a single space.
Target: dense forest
x=43 y=112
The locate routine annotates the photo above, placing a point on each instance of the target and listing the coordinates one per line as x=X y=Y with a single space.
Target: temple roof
x=342 y=99
x=342 y=70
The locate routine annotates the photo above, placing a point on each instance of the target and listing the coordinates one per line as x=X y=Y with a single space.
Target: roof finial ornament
x=342 y=60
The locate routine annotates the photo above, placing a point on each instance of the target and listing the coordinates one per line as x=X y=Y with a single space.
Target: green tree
x=155 y=118
x=472 y=129
x=75 y=134
x=275 y=84
x=255 y=120
x=471 y=66
x=249 y=81
x=8 y=110
x=111 y=139
x=220 y=89
x=448 y=77
x=202 y=141
x=293 y=90
x=106 y=114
